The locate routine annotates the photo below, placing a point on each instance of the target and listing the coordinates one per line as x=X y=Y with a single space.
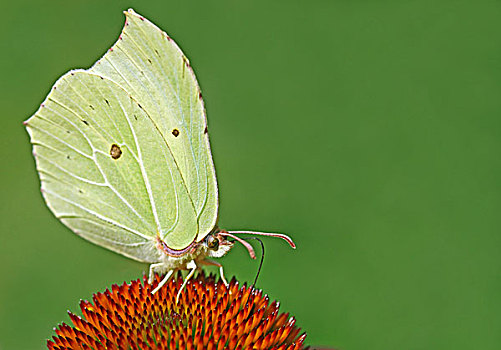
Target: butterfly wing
x=122 y=148
x=148 y=64
x=106 y=171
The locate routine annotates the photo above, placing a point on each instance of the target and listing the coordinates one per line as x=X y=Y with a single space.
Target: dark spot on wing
x=205 y=130
x=115 y=151
x=68 y=131
x=107 y=102
x=101 y=78
x=68 y=157
x=150 y=61
x=156 y=51
x=91 y=107
x=85 y=122
x=135 y=117
x=140 y=106
x=80 y=191
x=200 y=95
x=175 y=132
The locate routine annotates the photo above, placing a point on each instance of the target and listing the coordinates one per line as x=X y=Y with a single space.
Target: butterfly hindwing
x=106 y=170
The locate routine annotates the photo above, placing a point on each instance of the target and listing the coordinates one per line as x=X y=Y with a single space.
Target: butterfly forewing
x=153 y=70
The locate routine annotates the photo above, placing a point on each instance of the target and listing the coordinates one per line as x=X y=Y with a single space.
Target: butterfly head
x=216 y=245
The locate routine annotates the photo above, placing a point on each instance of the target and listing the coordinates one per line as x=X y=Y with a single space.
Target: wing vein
x=87 y=181
x=102 y=217
x=166 y=99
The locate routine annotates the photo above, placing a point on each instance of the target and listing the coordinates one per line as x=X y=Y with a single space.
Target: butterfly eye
x=212 y=243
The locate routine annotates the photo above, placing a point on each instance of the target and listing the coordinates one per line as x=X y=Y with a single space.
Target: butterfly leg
x=163 y=281
x=193 y=267
x=215 y=263
x=153 y=268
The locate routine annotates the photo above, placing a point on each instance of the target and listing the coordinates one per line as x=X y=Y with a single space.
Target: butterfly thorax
x=212 y=246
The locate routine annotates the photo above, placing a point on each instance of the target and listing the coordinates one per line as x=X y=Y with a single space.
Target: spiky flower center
x=208 y=315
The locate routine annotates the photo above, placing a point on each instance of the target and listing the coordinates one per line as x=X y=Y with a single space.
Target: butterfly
x=122 y=151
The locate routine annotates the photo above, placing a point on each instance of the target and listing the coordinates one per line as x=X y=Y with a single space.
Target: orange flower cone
x=208 y=315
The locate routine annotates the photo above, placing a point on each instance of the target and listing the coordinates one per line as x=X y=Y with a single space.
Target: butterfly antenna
x=246 y=244
x=269 y=234
x=262 y=258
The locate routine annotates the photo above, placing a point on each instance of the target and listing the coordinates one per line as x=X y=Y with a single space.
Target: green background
x=370 y=131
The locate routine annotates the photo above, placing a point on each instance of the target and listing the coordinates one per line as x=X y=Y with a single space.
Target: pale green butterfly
x=123 y=155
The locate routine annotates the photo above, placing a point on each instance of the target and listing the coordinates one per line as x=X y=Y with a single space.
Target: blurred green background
x=370 y=131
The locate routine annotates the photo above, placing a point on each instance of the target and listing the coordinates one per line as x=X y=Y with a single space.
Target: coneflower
x=208 y=315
